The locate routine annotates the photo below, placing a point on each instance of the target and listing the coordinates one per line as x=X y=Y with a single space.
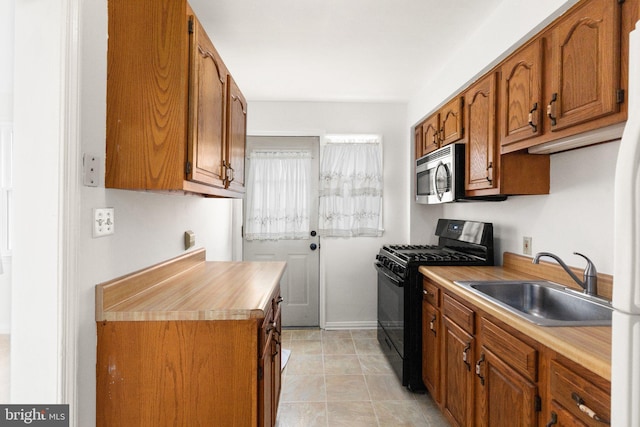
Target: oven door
x=391 y=308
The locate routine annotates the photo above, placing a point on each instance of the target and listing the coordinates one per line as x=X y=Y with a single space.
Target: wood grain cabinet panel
x=169 y=101
x=487 y=172
x=521 y=95
x=451 y=124
x=585 y=397
x=507 y=398
x=207 y=121
x=586 y=64
x=236 y=137
x=430 y=134
x=457 y=377
x=482 y=158
x=431 y=348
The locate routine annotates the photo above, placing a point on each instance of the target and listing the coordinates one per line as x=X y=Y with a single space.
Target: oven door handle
x=395 y=281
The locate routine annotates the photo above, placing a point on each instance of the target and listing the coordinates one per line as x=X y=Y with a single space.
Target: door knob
x=313 y=233
x=313 y=246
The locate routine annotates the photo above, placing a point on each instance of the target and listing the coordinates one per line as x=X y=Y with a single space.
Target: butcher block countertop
x=586 y=345
x=190 y=288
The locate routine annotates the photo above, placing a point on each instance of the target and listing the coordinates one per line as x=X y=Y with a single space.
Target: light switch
x=189 y=239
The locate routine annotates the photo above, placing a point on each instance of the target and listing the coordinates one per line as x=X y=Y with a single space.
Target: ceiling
x=337 y=50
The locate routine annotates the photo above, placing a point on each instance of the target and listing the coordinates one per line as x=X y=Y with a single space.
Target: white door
x=300 y=283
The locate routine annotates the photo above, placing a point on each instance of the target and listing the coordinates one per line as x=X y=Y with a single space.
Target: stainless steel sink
x=544 y=303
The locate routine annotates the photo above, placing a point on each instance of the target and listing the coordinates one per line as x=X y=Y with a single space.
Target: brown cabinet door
x=508 y=399
x=207 y=99
x=457 y=382
x=521 y=90
x=430 y=134
x=586 y=61
x=431 y=337
x=451 y=125
x=236 y=137
x=481 y=154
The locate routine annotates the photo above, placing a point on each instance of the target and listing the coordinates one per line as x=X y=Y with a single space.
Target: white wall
x=577 y=215
x=149 y=226
x=349 y=276
x=6 y=129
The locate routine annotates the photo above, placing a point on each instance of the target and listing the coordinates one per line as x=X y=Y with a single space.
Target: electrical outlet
x=526 y=245
x=104 y=222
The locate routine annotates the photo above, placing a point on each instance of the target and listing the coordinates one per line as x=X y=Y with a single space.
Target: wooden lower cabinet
x=269 y=369
x=188 y=373
x=482 y=372
x=458 y=394
x=431 y=338
x=578 y=397
x=507 y=398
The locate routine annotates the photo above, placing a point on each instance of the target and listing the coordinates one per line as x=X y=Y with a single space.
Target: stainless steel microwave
x=440 y=175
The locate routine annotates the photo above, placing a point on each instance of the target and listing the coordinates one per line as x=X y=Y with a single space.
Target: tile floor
x=341 y=378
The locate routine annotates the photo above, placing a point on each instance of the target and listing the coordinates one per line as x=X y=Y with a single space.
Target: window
x=351 y=186
x=278 y=195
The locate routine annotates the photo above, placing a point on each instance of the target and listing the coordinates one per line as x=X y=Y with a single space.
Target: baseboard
x=369 y=324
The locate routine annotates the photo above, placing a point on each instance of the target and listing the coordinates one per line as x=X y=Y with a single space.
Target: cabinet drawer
x=579 y=396
x=459 y=313
x=431 y=293
x=519 y=355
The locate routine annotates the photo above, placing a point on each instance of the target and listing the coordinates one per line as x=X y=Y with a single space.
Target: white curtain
x=278 y=186
x=351 y=187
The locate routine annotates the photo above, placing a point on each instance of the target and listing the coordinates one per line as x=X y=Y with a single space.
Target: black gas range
x=461 y=243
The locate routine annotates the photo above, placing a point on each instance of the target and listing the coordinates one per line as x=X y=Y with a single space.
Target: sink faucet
x=590 y=275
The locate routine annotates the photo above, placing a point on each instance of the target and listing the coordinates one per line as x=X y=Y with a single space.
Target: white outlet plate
x=526 y=245
x=104 y=222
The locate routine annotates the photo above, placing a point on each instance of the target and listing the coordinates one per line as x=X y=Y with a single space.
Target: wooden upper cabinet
x=167 y=106
x=430 y=134
x=521 y=95
x=236 y=137
x=443 y=127
x=585 y=64
x=451 y=125
x=481 y=154
x=208 y=97
x=147 y=94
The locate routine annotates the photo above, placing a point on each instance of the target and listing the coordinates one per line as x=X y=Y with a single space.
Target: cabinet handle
x=586 y=410
x=554 y=419
x=435 y=138
x=478 y=368
x=533 y=126
x=427 y=293
x=465 y=356
x=432 y=325
x=490 y=172
x=550 y=109
x=230 y=174
x=280 y=299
